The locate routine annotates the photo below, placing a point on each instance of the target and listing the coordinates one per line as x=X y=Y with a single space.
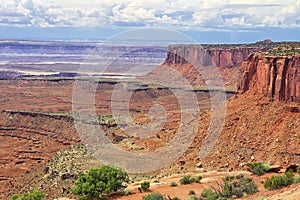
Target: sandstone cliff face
x=221 y=57
x=274 y=77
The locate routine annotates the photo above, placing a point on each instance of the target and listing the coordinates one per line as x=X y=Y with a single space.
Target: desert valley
x=247 y=113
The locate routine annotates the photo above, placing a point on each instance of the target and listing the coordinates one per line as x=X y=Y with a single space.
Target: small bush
x=145 y=186
x=193 y=198
x=156 y=181
x=173 y=184
x=186 y=180
x=228 y=178
x=175 y=198
x=208 y=194
x=197 y=179
x=244 y=186
x=32 y=195
x=153 y=196
x=276 y=182
x=258 y=168
x=298 y=170
x=192 y=192
x=296 y=179
x=239 y=176
x=232 y=188
x=289 y=176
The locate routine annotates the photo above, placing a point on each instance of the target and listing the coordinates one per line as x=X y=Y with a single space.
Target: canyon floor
x=36 y=123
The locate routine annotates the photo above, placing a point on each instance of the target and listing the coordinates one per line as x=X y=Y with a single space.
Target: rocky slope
x=28 y=140
x=256 y=129
x=277 y=77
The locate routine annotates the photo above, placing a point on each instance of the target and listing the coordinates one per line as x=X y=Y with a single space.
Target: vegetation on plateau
x=282 y=52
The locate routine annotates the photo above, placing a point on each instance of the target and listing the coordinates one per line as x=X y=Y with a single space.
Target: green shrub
x=243 y=186
x=173 y=184
x=239 y=176
x=156 y=181
x=192 y=192
x=32 y=195
x=228 y=178
x=258 y=168
x=153 y=196
x=197 y=179
x=145 y=186
x=289 y=176
x=296 y=179
x=298 y=170
x=276 y=182
x=193 y=198
x=175 y=198
x=99 y=183
x=233 y=187
x=208 y=194
x=186 y=180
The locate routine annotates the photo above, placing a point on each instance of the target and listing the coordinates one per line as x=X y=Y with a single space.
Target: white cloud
x=180 y=13
x=131 y=13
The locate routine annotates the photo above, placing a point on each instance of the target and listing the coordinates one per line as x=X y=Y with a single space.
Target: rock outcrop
x=277 y=77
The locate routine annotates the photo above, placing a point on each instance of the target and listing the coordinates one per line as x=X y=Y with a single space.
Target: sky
x=206 y=21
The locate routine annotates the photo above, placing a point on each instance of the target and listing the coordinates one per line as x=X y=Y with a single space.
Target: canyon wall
x=274 y=77
x=241 y=67
x=227 y=59
x=221 y=57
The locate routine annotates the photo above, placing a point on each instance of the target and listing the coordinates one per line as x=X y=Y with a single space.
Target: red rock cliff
x=228 y=59
x=221 y=57
x=275 y=77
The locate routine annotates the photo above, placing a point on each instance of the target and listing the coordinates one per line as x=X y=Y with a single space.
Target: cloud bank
x=184 y=14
